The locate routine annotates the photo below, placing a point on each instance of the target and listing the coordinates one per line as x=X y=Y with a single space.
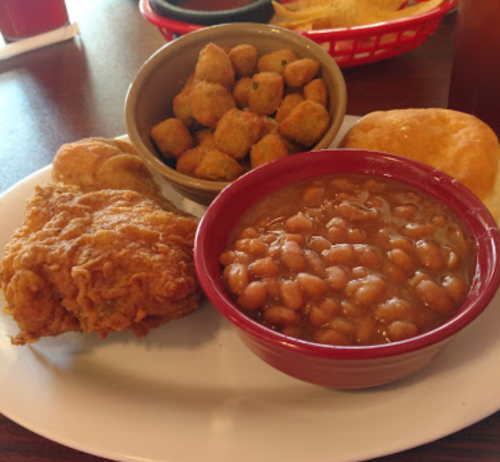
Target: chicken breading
x=98 y=261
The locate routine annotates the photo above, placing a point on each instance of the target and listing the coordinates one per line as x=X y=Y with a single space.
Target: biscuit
x=456 y=143
x=93 y=164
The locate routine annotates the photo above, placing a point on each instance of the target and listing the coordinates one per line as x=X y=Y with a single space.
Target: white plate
x=191 y=392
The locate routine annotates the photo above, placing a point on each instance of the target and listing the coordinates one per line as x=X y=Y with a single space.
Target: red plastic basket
x=349 y=46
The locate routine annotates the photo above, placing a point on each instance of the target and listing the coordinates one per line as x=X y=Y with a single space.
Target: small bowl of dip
x=348 y=268
x=211 y=12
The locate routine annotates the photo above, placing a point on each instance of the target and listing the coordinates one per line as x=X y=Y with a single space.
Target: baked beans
x=349 y=261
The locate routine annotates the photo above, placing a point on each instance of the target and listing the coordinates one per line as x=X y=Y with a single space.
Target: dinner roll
x=459 y=144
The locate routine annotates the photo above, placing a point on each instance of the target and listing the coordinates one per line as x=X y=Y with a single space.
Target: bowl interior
x=149 y=99
x=254 y=186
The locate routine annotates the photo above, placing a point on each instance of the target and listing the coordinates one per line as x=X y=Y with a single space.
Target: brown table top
x=77 y=89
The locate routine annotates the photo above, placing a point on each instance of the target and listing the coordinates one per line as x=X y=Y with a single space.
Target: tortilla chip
x=304 y=13
x=303 y=4
x=314 y=14
x=417 y=9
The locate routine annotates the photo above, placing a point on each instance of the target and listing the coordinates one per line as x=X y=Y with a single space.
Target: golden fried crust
x=316 y=91
x=214 y=66
x=171 y=137
x=208 y=102
x=190 y=159
x=218 y=166
x=269 y=148
x=305 y=124
x=241 y=91
x=266 y=93
x=458 y=144
x=289 y=102
x=237 y=131
x=93 y=164
x=244 y=59
x=276 y=61
x=300 y=72
x=101 y=261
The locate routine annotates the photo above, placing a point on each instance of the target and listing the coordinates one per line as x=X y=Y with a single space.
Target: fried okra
x=293 y=147
x=244 y=60
x=214 y=66
x=209 y=102
x=300 y=72
x=218 y=166
x=242 y=110
x=269 y=125
x=241 y=91
x=289 y=102
x=305 y=124
x=276 y=61
x=190 y=159
x=266 y=93
x=205 y=138
x=182 y=107
x=171 y=137
x=237 y=131
x=270 y=147
x=316 y=91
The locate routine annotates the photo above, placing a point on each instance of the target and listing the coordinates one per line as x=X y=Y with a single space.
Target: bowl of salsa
x=210 y=12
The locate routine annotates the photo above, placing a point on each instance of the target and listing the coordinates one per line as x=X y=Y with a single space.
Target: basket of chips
x=354 y=32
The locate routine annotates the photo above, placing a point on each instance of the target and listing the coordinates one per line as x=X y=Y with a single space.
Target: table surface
x=77 y=89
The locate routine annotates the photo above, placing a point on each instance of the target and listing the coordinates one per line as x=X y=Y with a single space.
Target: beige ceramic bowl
x=161 y=78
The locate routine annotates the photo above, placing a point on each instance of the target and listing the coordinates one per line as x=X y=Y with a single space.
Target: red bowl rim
x=278 y=174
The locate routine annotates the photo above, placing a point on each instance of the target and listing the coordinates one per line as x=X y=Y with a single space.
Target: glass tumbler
x=21 y=19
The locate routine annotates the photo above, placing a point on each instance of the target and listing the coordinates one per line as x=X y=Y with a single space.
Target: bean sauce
x=349 y=260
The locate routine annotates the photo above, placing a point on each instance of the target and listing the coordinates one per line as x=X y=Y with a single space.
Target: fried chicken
x=100 y=261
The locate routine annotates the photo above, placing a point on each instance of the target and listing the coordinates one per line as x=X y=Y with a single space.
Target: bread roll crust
x=459 y=144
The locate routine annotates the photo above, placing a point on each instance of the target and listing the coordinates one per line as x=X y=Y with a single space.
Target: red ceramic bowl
x=339 y=366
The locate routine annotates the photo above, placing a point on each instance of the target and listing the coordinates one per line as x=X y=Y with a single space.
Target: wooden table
x=77 y=89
